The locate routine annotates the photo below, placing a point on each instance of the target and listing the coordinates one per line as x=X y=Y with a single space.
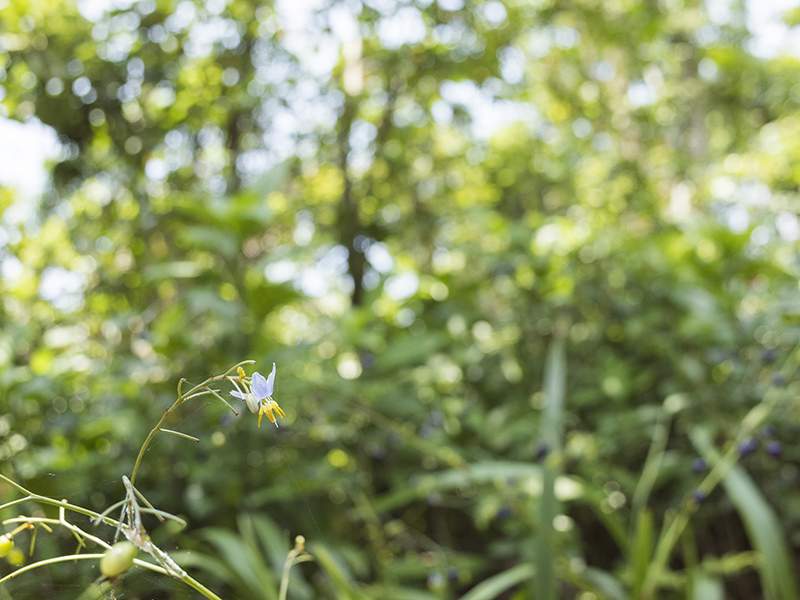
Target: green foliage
x=571 y=223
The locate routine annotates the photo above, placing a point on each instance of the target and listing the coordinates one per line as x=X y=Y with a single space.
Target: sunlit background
x=527 y=269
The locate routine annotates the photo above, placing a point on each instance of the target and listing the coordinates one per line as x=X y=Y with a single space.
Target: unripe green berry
x=6 y=544
x=117 y=559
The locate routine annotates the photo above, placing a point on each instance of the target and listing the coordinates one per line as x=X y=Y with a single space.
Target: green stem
x=181 y=399
x=49 y=561
x=50 y=501
x=295 y=556
x=193 y=583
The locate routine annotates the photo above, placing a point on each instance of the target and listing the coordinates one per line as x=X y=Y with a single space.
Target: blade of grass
x=652 y=465
x=761 y=523
x=641 y=549
x=497 y=584
x=340 y=578
x=555 y=375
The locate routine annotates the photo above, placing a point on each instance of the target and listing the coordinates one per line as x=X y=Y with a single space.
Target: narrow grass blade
x=652 y=465
x=340 y=578
x=497 y=584
x=641 y=549
x=555 y=376
x=761 y=523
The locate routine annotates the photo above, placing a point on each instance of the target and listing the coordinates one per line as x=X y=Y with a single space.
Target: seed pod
x=6 y=544
x=117 y=559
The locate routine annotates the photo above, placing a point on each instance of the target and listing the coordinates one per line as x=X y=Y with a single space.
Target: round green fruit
x=117 y=559
x=6 y=544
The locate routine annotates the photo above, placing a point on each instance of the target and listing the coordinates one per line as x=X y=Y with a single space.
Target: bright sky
x=24 y=150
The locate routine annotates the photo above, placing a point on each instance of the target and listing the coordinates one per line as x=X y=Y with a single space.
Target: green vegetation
x=528 y=272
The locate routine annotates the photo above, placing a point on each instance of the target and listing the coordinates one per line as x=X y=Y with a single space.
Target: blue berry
x=774 y=448
x=699 y=496
x=747 y=446
x=503 y=513
x=699 y=465
x=542 y=450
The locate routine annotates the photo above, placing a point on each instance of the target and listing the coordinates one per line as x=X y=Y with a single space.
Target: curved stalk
x=182 y=397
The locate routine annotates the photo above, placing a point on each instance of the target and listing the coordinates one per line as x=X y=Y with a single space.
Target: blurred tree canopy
x=401 y=204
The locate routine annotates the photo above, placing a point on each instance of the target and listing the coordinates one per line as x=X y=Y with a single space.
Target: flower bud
x=117 y=559
x=6 y=544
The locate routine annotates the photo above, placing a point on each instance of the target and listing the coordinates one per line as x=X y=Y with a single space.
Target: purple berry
x=699 y=496
x=542 y=450
x=699 y=465
x=747 y=446
x=503 y=513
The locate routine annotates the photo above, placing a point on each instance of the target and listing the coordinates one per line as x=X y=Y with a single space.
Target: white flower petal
x=271 y=381
x=261 y=389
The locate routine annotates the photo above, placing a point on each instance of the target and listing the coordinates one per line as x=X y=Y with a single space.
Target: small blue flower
x=699 y=496
x=699 y=465
x=259 y=397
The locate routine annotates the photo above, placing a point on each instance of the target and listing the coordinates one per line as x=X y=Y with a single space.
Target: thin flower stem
x=225 y=402
x=66 y=524
x=295 y=556
x=179 y=434
x=181 y=399
x=50 y=501
x=15 y=485
x=48 y=561
x=193 y=583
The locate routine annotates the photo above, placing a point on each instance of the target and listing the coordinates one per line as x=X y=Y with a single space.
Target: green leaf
x=555 y=376
x=497 y=584
x=341 y=578
x=641 y=549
